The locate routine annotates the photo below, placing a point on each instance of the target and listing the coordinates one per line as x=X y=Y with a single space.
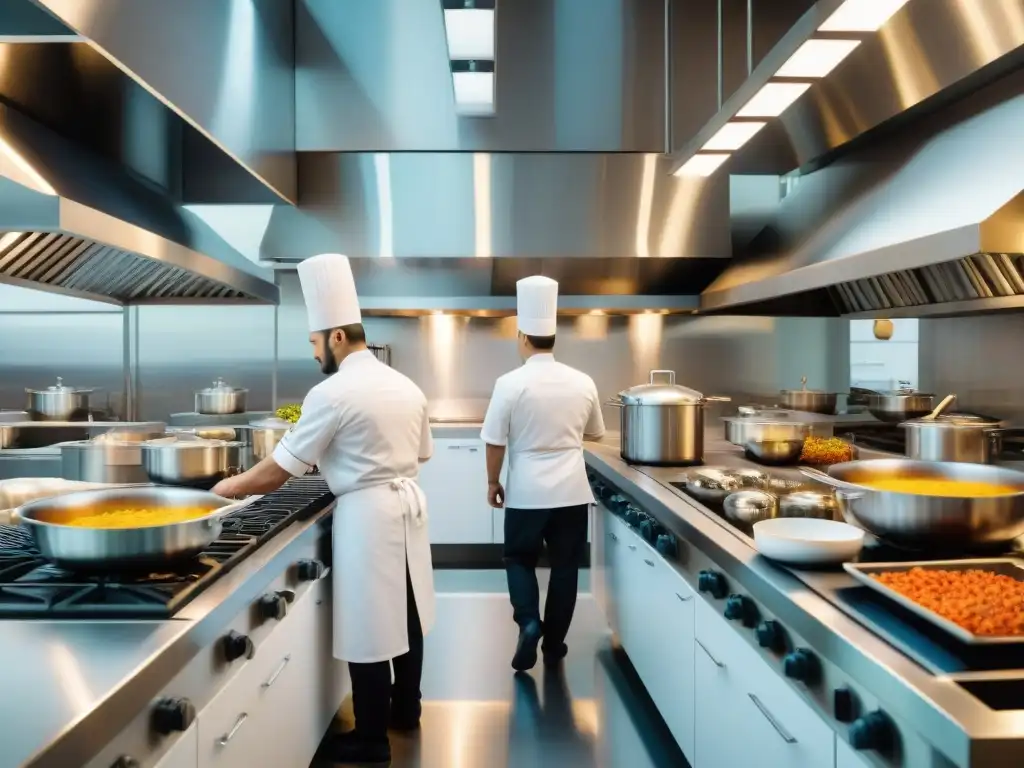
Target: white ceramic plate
x=807 y=541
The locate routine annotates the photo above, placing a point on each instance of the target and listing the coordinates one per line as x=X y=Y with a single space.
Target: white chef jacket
x=541 y=412
x=364 y=426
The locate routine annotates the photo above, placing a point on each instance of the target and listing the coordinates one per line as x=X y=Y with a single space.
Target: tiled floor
x=478 y=714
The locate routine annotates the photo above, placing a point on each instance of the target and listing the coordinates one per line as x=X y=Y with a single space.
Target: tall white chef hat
x=537 y=305
x=329 y=291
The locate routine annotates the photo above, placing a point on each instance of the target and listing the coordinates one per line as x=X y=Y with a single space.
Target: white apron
x=378 y=530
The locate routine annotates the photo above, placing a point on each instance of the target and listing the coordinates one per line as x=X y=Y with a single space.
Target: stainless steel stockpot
x=809 y=400
x=662 y=423
x=58 y=403
x=194 y=463
x=903 y=404
x=220 y=399
x=266 y=434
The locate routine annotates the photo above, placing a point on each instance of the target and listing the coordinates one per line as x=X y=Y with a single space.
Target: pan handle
x=822 y=477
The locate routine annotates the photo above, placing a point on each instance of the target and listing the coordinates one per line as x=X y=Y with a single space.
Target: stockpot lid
x=219 y=388
x=58 y=388
x=954 y=421
x=666 y=392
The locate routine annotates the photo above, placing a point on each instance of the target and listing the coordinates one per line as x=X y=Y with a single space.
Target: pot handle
x=669 y=375
x=717 y=399
x=614 y=403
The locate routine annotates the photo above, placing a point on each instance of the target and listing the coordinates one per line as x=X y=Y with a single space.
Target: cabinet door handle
x=278 y=671
x=613 y=536
x=632 y=547
x=649 y=562
x=223 y=740
x=775 y=723
x=684 y=599
x=716 y=662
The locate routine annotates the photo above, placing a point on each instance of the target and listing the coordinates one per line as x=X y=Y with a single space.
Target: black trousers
x=374 y=697
x=564 y=530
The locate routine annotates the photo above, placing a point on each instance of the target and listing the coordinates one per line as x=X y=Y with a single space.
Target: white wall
x=881 y=365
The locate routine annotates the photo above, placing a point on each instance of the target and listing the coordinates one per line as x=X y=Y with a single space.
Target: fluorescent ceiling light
x=773 y=99
x=861 y=15
x=474 y=92
x=701 y=165
x=470 y=33
x=732 y=136
x=816 y=58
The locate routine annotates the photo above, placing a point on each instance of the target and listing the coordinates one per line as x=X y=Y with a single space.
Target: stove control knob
x=741 y=608
x=873 y=731
x=713 y=583
x=171 y=715
x=770 y=635
x=310 y=570
x=126 y=761
x=844 y=705
x=273 y=606
x=287 y=594
x=237 y=646
x=801 y=665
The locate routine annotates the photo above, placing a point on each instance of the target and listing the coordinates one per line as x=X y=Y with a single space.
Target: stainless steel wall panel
x=521 y=205
x=572 y=76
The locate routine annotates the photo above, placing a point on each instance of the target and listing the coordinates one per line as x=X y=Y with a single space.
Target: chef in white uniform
x=366 y=428
x=539 y=416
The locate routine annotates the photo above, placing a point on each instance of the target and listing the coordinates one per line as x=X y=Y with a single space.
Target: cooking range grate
x=32 y=587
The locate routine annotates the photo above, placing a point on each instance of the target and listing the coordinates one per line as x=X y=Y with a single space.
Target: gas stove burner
x=30 y=586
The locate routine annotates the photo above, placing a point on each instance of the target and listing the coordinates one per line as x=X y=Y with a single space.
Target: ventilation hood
x=916 y=225
x=77 y=225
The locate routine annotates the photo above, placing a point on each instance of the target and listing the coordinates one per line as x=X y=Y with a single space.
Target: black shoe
x=405 y=721
x=526 y=648
x=553 y=656
x=350 y=748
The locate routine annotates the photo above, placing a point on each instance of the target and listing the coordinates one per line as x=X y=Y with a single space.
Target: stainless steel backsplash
x=455 y=360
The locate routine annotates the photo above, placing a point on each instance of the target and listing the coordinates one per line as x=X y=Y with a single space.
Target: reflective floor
x=479 y=714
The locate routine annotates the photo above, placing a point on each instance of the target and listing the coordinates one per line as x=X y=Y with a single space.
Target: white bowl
x=807 y=541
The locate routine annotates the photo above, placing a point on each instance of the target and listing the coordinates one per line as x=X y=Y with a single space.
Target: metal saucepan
x=956 y=437
x=928 y=522
x=751 y=506
x=220 y=399
x=194 y=463
x=662 y=423
x=9 y=434
x=809 y=400
x=901 y=405
x=99 y=548
x=58 y=403
x=739 y=430
x=266 y=434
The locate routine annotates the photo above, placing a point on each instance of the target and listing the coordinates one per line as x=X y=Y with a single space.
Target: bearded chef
x=366 y=428
x=539 y=416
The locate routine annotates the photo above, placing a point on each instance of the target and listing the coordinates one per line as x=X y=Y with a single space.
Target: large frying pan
x=121 y=548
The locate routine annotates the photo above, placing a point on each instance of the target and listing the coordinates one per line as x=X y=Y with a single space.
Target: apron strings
x=414 y=502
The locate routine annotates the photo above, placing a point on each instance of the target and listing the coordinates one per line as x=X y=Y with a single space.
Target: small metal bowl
x=780 y=486
x=749 y=507
x=711 y=485
x=809 y=504
x=785 y=451
x=750 y=477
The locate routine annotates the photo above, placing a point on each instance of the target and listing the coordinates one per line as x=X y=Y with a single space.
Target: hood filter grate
x=86 y=268
x=982 y=276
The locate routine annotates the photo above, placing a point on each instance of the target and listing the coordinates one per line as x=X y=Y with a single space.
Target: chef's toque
x=329 y=291
x=537 y=305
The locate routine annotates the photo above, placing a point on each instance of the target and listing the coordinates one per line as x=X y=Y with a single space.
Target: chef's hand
x=495 y=495
x=225 y=488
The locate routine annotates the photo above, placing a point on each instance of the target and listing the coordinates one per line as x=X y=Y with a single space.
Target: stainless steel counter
x=71 y=686
x=941 y=713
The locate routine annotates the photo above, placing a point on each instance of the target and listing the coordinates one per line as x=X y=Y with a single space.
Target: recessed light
x=701 y=165
x=773 y=99
x=470 y=33
x=861 y=15
x=816 y=58
x=732 y=136
x=474 y=92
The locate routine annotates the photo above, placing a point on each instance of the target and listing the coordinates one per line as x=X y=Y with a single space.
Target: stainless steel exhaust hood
x=75 y=224
x=913 y=226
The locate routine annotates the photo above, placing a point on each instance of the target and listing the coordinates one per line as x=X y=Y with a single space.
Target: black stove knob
x=648 y=530
x=770 y=635
x=873 y=731
x=126 y=761
x=287 y=594
x=844 y=705
x=713 y=583
x=310 y=570
x=273 y=606
x=237 y=646
x=741 y=608
x=801 y=665
x=666 y=545
x=171 y=715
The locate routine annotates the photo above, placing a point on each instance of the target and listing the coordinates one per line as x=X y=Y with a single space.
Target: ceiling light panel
x=701 y=165
x=470 y=33
x=732 y=136
x=862 y=15
x=474 y=92
x=773 y=99
x=816 y=58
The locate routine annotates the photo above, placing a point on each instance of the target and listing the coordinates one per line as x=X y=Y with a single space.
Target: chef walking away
x=366 y=428
x=539 y=415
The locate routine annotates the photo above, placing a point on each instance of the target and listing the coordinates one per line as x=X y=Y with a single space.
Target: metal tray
x=1006 y=566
